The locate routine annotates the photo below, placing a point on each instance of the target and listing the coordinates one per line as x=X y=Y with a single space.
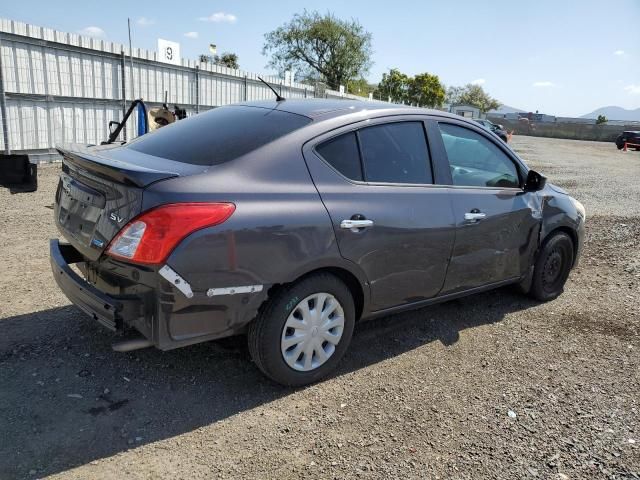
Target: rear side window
x=396 y=153
x=342 y=154
x=388 y=153
x=218 y=135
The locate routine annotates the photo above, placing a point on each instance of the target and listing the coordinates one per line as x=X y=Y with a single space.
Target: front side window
x=396 y=153
x=476 y=161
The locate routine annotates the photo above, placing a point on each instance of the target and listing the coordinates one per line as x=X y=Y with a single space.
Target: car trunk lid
x=100 y=190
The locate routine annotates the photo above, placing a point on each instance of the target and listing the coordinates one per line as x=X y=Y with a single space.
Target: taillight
x=152 y=236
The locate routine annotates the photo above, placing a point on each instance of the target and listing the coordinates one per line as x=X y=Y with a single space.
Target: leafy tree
x=313 y=44
x=360 y=87
x=426 y=90
x=394 y=85
x=601 y=119
x=475 y=95
x=227 y=59
x=453 y=95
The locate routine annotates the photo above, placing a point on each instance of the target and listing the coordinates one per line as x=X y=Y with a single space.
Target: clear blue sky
x=559 y=57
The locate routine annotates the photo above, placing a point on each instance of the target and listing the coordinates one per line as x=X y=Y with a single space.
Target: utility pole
x=3 y=110
x=131 y=59
x=124 y=92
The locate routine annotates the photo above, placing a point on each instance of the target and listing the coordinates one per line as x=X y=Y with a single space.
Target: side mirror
x=535 y=182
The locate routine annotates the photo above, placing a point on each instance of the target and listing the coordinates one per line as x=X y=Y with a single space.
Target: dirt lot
x=493 y=386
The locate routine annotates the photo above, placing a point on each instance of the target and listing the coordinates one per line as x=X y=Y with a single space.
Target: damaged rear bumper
x=151 y=300
x=110 y=311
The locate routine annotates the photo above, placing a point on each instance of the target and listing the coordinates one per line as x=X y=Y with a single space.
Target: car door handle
x=473 y=217
x=354 y=225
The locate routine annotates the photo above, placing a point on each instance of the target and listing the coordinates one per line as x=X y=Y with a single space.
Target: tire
x=276 y=328
x=552 y=267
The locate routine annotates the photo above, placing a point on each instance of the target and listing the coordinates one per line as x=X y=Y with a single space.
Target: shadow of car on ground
x=68 y=399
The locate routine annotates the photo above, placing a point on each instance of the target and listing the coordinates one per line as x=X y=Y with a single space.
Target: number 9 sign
x=168 y=52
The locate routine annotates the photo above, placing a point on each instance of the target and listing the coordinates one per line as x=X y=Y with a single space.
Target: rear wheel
x=552 y=267
x=302 y=333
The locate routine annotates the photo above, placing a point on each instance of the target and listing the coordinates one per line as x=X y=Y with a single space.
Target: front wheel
x=303 y=331
x=552 y=267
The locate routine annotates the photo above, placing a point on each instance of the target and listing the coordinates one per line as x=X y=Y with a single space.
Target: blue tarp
x=142 y=119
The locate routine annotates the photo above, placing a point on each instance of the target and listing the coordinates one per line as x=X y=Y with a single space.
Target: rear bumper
x=127 y=298
x=110 y=311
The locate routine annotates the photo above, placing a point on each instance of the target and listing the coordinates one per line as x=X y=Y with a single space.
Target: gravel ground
x=492 y=386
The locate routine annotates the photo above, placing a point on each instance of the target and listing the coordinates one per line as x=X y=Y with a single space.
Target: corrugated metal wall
x=62 y=87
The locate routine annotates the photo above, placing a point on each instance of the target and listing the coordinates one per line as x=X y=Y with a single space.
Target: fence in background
x=565 y=129
x=58 y=87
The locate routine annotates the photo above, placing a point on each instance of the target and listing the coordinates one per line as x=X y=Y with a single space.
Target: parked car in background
x=495 y=128
x=629 y=136
x=290 y=221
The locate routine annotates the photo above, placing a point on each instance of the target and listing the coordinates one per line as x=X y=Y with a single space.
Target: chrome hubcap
x=312 y=332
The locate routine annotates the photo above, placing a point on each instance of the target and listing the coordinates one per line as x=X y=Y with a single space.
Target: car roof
x=321 y=109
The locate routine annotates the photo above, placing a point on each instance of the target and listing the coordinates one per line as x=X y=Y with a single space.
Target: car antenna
x=279 y=98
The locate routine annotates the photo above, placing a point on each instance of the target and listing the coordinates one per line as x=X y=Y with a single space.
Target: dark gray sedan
x=290 y=221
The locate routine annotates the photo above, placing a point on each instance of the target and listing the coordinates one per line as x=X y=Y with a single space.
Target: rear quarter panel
x=279 y=231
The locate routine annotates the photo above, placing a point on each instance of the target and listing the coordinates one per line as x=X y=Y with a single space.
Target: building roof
x=464 y=105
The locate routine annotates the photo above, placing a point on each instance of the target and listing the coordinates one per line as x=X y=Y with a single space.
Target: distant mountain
x=615 y=113
x=506 y=109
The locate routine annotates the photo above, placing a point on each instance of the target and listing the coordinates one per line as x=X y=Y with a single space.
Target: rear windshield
x=218 y=135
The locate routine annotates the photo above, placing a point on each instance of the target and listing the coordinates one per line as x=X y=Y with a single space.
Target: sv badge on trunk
x=115 y=218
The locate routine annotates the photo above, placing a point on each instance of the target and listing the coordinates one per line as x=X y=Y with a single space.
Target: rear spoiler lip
x=112 y=168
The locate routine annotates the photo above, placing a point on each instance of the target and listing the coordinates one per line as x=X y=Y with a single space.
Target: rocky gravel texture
x=491 y=386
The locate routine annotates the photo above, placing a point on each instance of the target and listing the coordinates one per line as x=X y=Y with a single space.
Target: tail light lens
x=152 y=236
